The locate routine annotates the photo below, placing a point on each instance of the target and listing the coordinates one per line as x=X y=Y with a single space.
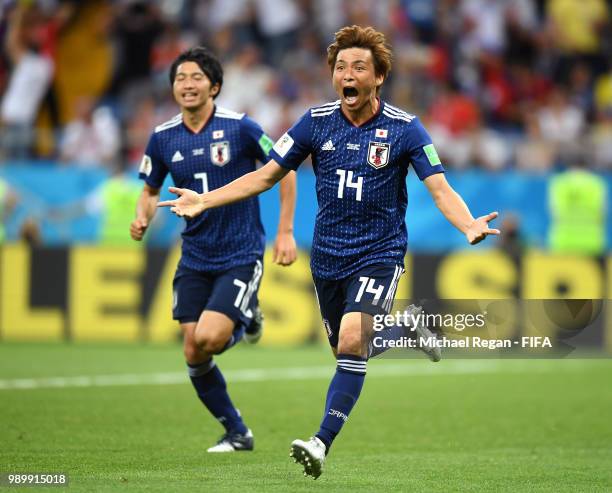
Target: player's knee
x=210 y=342
x=192 y=352
x=351 y=342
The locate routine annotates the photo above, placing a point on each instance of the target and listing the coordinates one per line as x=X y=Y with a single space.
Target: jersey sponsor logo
x=218 y=134
x=352 y=147
x=145 y=165
x=432 y=155
x=220 y=153
x=381 y=133
x=378 y=154
x=198 y=152
x=328 y=146
x=283 y=145
x=177 y=157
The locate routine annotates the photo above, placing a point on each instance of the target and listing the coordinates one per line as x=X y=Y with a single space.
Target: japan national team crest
x=378 y=154
x=220 y=153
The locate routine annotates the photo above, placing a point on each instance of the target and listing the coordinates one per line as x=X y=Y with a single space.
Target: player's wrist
x=204 y=201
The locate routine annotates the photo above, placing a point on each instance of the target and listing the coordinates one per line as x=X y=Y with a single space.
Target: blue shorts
x=370 y=290
x=232 y=292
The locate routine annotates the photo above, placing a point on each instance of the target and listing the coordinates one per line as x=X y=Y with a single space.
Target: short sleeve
x=258 y=144
x=295 y=146
x=421 y=151
x=152 y=168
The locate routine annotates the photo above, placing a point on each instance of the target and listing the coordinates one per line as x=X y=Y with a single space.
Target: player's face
x=354 y=78
x=192 y=88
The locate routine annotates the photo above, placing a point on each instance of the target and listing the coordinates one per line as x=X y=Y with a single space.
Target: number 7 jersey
x=361 y=183
x=226 y=148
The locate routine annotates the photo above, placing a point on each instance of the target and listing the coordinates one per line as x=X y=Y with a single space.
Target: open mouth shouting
x=350 y=95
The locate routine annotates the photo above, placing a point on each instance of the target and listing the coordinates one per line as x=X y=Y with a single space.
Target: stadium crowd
x=498 y=83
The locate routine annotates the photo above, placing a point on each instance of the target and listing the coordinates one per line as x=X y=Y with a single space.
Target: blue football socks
x=342 y=395
x=212 y=391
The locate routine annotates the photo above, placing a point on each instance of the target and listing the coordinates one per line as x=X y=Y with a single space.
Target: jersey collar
x=380 y=105
x=206 y=123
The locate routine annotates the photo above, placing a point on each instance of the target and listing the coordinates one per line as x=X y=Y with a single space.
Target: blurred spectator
x=450 y=118
x=365 y=13
x=29 y=232
x=489 y=149
x=238 y=94
x=560 y=121
x=137 y=27
x=328 y=16
x=268 y=110
x=576 y=27
x=600 y=140
x=483 y=26
x=30 y=79
x=219 y=15
x=577 y=201
x=580 y=88
x=511 y=241
x=167 y=47
x=116 y=200
x=603 y=90
x=475 y=144
x=93 y=138
x=278 y=22
x=419 y=17
x=533 y=152
x=138 y=128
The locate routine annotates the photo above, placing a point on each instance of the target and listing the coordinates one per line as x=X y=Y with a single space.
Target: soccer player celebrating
x=361 y=148
x=217 y=279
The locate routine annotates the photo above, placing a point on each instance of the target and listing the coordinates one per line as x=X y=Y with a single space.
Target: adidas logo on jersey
x=177 y=157
x=328 y=146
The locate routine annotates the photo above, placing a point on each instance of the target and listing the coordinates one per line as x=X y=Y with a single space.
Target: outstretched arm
x=285 y=250
x=145 y=210
x=456 y=211
x=191 y=204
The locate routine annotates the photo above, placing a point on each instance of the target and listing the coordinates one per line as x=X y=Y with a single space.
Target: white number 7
x=204 y=178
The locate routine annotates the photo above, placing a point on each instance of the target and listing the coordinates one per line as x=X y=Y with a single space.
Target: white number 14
x=346 y=178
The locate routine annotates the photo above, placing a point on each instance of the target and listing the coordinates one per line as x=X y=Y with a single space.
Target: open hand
x=188 y=204
x=479 y=229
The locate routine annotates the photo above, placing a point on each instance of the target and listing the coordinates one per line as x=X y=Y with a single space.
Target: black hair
x=206 y=60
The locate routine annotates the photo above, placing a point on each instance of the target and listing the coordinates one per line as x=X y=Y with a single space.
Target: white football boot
x=234 y=442
x=310 y=454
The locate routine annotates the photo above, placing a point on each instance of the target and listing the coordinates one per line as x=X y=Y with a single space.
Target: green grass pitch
x=478 y=425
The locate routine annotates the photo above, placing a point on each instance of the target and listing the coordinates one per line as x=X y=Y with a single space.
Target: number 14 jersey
x=361 y=183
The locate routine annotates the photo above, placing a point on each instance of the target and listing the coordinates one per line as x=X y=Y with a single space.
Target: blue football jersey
x=361 y=183
x=225 y=149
